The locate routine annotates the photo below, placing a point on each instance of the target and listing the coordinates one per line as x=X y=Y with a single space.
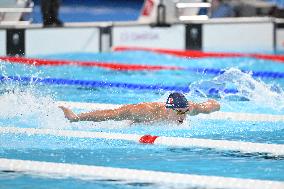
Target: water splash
x=25 y=104
x=27 y=108
x=270 y=95
x=249 y=88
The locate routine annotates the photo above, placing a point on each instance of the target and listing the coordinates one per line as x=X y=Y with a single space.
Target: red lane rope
x=113 y=66
x=200 y=54
x=278 y=58
x=188 y=53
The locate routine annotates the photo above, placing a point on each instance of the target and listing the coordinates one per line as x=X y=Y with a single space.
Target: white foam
x=28 y=108
x=255 y=90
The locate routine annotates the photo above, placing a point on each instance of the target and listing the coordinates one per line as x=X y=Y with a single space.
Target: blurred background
x=93 y=10
x=125 y=10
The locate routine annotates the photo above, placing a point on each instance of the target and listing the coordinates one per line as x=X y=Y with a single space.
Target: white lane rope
x=215 y=115
x=133 y=175
x=244 y=147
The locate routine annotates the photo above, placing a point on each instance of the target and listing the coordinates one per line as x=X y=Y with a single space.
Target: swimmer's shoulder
x=151 y=105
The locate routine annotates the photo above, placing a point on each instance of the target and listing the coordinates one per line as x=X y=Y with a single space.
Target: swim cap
x=176 y=100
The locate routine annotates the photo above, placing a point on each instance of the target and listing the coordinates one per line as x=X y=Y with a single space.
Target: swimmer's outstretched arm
x=69 y=114
x=98 y=115
x=204 y=107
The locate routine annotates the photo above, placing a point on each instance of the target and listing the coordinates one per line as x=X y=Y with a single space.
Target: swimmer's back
x=145 y=112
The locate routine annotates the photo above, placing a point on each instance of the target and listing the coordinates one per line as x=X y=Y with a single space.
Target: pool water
x=32 y=105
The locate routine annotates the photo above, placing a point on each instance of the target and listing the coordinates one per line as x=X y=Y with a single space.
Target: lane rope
x=109 y=65
x=201 y=54
x=214 y=116
x=133 y=67
x=133 y=175
x=92 y=83
x=243 y=147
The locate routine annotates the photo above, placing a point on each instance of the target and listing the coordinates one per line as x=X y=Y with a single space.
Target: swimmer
x=174 y=110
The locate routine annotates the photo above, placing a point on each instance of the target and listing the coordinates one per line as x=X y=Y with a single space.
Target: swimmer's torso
x=149 y=112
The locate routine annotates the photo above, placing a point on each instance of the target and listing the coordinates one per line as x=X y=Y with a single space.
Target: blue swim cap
x=176 y=100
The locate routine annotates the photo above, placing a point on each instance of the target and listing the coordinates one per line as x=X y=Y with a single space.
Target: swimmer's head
x=176 y=100
x=179 y=105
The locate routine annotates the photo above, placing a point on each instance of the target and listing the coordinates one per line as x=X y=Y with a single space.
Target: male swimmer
x=174 y=110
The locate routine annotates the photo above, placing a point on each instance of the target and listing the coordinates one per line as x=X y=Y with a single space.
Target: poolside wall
x=233 y=35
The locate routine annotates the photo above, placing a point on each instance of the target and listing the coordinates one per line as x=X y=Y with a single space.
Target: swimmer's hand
x=214 y=105
x=71 y=116
x=204 y=107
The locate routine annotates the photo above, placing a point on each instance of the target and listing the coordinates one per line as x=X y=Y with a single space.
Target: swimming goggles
x=181 y=112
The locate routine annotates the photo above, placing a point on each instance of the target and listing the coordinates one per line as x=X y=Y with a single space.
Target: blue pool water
x=32 y=105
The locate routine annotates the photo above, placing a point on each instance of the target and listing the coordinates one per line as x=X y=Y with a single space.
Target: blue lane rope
x=88 y=83
x=276 y=75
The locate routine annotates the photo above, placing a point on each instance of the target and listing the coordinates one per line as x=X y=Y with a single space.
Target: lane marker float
x=200 y=54
x=243 y=147
x=131 y=67
x=104 y=84
x=133 y=175
x=108 y=65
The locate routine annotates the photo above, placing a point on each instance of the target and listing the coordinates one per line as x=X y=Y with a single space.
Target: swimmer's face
x=180 y=114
